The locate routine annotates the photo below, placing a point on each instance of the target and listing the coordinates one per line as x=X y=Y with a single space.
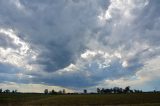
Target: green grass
x=141 y=99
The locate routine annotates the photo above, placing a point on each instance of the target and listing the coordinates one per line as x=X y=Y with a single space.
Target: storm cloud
x=79 y=43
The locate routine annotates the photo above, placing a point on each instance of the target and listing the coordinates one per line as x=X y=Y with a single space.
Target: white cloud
x=125 y=64
x=19 y=56
x=88 y=54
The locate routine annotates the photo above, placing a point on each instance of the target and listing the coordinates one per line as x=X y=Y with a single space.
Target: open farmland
x=139 y=99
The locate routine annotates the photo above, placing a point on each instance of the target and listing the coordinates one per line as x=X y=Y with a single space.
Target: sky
x=79 y=44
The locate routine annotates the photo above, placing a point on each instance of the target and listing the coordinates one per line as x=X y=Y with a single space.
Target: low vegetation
x=103 y=97
x=131 y=99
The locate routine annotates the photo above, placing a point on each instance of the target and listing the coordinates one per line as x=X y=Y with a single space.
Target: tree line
x=8 y=91
x=46 y=91
x=114 y=90
x=117 y=90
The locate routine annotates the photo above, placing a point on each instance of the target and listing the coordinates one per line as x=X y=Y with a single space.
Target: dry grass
x=141 y=99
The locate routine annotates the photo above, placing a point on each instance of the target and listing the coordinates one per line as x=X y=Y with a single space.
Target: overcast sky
x=79 y=44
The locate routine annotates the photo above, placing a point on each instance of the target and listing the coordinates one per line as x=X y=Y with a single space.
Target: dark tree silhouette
x=46 y=91
x=64 y=91
x=85 y=91
x=59 y=92
x=127 y=89
x=52 y=91
x=138 y=91
x=1 y=90
x=117 y=90
x=102 y=90
x=7 y=91
x=14 y=91
x=98 y=91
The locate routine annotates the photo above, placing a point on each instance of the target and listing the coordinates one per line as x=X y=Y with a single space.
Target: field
x=139 y=99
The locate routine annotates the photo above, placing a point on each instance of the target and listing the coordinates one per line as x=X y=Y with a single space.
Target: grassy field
x=141 y=99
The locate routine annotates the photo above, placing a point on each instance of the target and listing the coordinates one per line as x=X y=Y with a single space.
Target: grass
x=139 y=99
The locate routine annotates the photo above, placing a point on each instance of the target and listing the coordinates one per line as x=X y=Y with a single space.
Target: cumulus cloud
x=78 y=43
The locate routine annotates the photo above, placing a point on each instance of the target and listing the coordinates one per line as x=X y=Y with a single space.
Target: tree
x=102 y=91
x=46 y=91
x=120 y=90
x=85 y=91
x=7 y=91
x=59 y=92
x=138 y=91
x=1 y=90
x=53 y=91
x=64 y=91
x=127 y=89
x=98 y=91
x=14 y=91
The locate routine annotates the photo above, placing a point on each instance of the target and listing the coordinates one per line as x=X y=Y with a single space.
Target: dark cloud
x=8 y=68
x=59 y=27
x=50 y=37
